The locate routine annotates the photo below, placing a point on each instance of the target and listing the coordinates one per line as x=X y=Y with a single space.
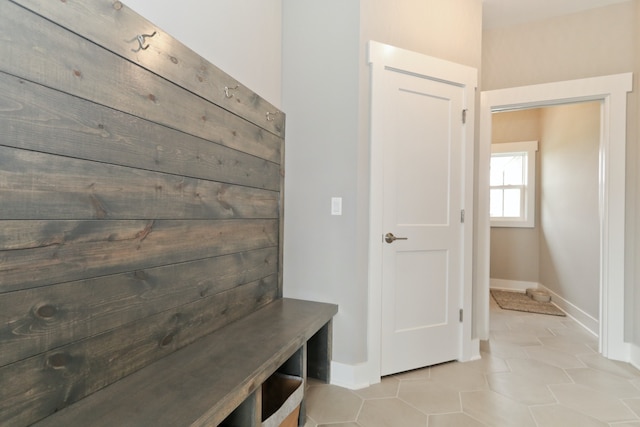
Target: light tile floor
x=535 y=371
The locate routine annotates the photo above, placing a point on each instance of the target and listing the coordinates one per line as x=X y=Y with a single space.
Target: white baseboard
x=512 y=285
x=353 y=377
x=635 y=355
x=590 y=323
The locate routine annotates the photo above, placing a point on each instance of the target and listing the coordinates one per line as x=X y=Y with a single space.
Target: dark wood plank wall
x=140 y=201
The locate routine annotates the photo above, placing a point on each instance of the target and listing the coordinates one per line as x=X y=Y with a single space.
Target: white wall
x=241 y=37
x=326 y=88
x=320 y=97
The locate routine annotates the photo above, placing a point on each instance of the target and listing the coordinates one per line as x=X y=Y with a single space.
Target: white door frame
x=383 y=56
x=612 y=92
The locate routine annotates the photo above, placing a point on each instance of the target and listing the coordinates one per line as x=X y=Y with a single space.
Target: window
x=512 y=184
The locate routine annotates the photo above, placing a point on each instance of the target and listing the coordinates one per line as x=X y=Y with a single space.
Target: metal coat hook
x=141 y=38
x=227 y=89
x=270 y=115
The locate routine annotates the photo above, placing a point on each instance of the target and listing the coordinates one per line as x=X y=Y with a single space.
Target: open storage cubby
x=285 y=386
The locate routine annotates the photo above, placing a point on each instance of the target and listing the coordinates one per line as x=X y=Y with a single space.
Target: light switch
x=336 y=206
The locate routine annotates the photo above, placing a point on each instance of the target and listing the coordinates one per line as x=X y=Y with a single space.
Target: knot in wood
x=167 y=339
x=59 y=360
x=46 y=311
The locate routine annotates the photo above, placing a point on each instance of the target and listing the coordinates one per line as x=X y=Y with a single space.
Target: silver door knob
x=390 y=238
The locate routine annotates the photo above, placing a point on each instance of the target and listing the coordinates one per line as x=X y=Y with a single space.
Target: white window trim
x=530 y=147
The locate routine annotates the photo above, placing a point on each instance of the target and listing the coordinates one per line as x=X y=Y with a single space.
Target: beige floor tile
x=520 y=389
x=536 y=320
x=634 y=404
x=388 y=387
x=331 y=404
x=496 y=410
x=340 y=425
x=578 y=333
x=621 y=369
x=566 y=345
x=430 y=396
x=521 y=376
x=538 y=372
x=390 y=413
x=488 y=363
x=454 y=420
x=416 y=374
x=459 y=377
x=561 y=416
x=592 y=403
x=604 y=382
x=516 y=338
x=555 y=358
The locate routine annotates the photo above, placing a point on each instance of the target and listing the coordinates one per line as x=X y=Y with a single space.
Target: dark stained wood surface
x=34 y=117
x=202 y=383
x=90 y=72
x=141 y=228
x=44 y=186
x=112 y=25
x=43 y=384
x=41 y=319
x=40 y=252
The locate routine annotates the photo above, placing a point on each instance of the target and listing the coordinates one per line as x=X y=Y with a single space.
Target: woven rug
x=518 y=301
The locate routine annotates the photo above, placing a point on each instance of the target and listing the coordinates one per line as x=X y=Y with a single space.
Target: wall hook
x=227 y=89
x=141 y=38
x=270 y=115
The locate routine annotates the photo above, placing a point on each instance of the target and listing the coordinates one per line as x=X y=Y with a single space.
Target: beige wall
x=569 y=213
x=514 y=251
x=597 y=42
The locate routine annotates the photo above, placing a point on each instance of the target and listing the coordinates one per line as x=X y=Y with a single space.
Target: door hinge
x=461 y=315
x=464 y=116
x=462 y=216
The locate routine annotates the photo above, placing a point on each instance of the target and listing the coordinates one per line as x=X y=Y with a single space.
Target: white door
x=422 y=142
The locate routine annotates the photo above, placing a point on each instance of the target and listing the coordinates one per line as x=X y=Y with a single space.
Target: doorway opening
x=557 y=248
x=611 y=91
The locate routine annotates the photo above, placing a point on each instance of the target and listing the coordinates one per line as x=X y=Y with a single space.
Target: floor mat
x=518 y=301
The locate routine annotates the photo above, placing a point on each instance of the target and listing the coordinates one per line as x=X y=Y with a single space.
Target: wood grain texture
x=85 y=70
x=37 y=320
x=106 y=22
x=42 y=186
x=44 y=384
x=211 y=379
x=34 y=117
x=141 y=227
x=37 y=253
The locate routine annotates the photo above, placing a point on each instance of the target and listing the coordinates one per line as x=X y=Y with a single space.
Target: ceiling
x=502 y=13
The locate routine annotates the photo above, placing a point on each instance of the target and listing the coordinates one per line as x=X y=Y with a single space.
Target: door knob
x=390 y=238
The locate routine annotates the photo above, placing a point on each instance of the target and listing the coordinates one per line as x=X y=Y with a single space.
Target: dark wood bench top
x=202 y=383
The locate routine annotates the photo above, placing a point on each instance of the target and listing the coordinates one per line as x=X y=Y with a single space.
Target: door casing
x=612 y=92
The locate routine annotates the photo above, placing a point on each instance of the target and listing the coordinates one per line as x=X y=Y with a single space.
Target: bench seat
x=201 y=384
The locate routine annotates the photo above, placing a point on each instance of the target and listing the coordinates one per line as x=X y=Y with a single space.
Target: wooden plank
x=202 y=383
x=37 y=253
x=110 y=24
x=42 y=385
x=28 y=44
x=37 y=118
x=43 y=186
x=36 y=320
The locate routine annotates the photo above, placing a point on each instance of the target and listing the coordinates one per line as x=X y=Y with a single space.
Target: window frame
x=527 y=220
